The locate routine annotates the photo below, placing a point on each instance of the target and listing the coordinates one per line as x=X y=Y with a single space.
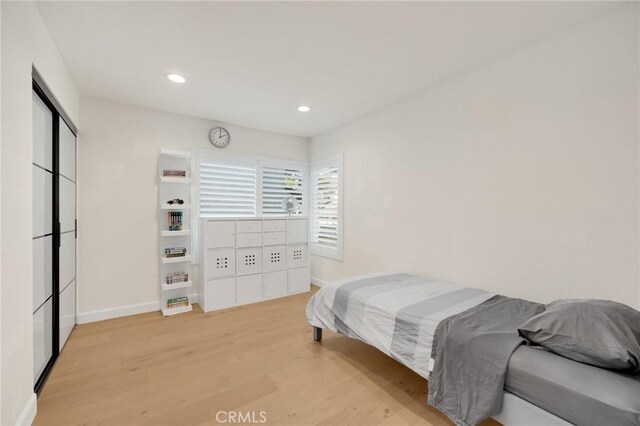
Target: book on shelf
x=177 y=277
x=177 y=302
x=175 y=251
x=174 y=173
x=175 y=221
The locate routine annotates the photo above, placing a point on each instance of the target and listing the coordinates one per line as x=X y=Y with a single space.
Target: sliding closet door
x=43 y=303
x=67 y=209
x=54 y=230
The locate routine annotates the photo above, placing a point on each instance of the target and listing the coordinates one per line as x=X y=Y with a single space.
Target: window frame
x=315 y=249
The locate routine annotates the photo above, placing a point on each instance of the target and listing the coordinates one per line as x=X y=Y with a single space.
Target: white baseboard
x=318 y=282
x=124 y=311
x=193 y=298
x=29 y=411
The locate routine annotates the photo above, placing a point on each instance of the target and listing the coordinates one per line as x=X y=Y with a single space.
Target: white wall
x=0 y=211
x=25 y=41
x=520 y=176
x=118 y=234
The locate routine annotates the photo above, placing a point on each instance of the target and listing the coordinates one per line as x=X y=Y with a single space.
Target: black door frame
x=47 y=97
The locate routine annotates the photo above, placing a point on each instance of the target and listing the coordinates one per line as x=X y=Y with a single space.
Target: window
x=232 y=186
x=326 y=208
x=227 y=189
x=278 y=183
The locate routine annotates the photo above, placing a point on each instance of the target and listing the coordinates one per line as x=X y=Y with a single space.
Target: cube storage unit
x=175 y=230
x=250 y=260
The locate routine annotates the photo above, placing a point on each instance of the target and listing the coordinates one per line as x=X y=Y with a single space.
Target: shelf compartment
x=167 y=312
x=176 y=233
x=169 y=287
x=171 y=179
x=166 y=206
x=179 y=259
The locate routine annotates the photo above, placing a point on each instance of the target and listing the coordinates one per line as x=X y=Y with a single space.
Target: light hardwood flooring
x=183 y=370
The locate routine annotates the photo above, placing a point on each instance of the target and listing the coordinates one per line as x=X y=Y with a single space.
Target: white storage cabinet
x=250 y=260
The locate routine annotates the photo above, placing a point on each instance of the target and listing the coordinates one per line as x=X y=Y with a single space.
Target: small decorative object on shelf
x=174 y=173
x=176 y=201
x=177 y=277
x=175 y=221
x=177 y=302
x=175 y=251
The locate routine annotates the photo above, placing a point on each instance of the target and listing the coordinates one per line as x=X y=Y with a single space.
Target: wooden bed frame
x=515 y=410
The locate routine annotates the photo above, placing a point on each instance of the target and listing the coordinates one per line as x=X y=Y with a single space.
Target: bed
x=405 y=317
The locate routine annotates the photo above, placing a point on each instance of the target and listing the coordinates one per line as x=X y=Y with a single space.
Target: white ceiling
x=253 y=63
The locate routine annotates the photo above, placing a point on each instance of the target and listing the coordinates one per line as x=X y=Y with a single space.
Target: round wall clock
x=219 y=137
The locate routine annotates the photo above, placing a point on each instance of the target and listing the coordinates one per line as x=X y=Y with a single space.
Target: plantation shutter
x=326 y=209
x=227 y=189
x=278 y=183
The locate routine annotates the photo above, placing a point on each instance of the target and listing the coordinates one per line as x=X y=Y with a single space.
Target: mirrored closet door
x=54 y=230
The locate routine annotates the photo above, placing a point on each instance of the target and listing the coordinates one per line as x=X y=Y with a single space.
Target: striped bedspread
x=396 y=313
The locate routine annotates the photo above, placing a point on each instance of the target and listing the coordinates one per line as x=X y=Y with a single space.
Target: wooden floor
x=183 y=370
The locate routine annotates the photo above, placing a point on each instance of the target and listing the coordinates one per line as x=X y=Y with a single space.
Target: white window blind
x=227 y=189
x=326 y=208
x=278 y=183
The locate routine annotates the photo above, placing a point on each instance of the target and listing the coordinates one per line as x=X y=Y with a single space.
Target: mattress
x=578 y=393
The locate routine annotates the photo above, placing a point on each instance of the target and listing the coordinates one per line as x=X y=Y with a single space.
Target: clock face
x=219 y=137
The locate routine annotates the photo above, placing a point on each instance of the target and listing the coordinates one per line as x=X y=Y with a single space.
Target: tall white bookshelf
x=172 y=188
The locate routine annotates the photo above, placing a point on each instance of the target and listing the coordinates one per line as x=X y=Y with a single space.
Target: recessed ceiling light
x=176 y=78
x=304 y=108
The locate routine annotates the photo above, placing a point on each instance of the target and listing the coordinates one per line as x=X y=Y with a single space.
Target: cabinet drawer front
x=297 y=231
x=253 y=239
x=274 y=258
x=219 y=234
x=275 y=226
x=298 y=280
x=274 y=238
x=220 y=263
x=249 y=261
x=219 y=294
x=249 y=288
x=297 y=256
x=245 y=226
x=274 y=284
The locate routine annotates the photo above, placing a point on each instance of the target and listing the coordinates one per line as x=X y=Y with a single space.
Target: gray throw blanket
x=471 y=352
